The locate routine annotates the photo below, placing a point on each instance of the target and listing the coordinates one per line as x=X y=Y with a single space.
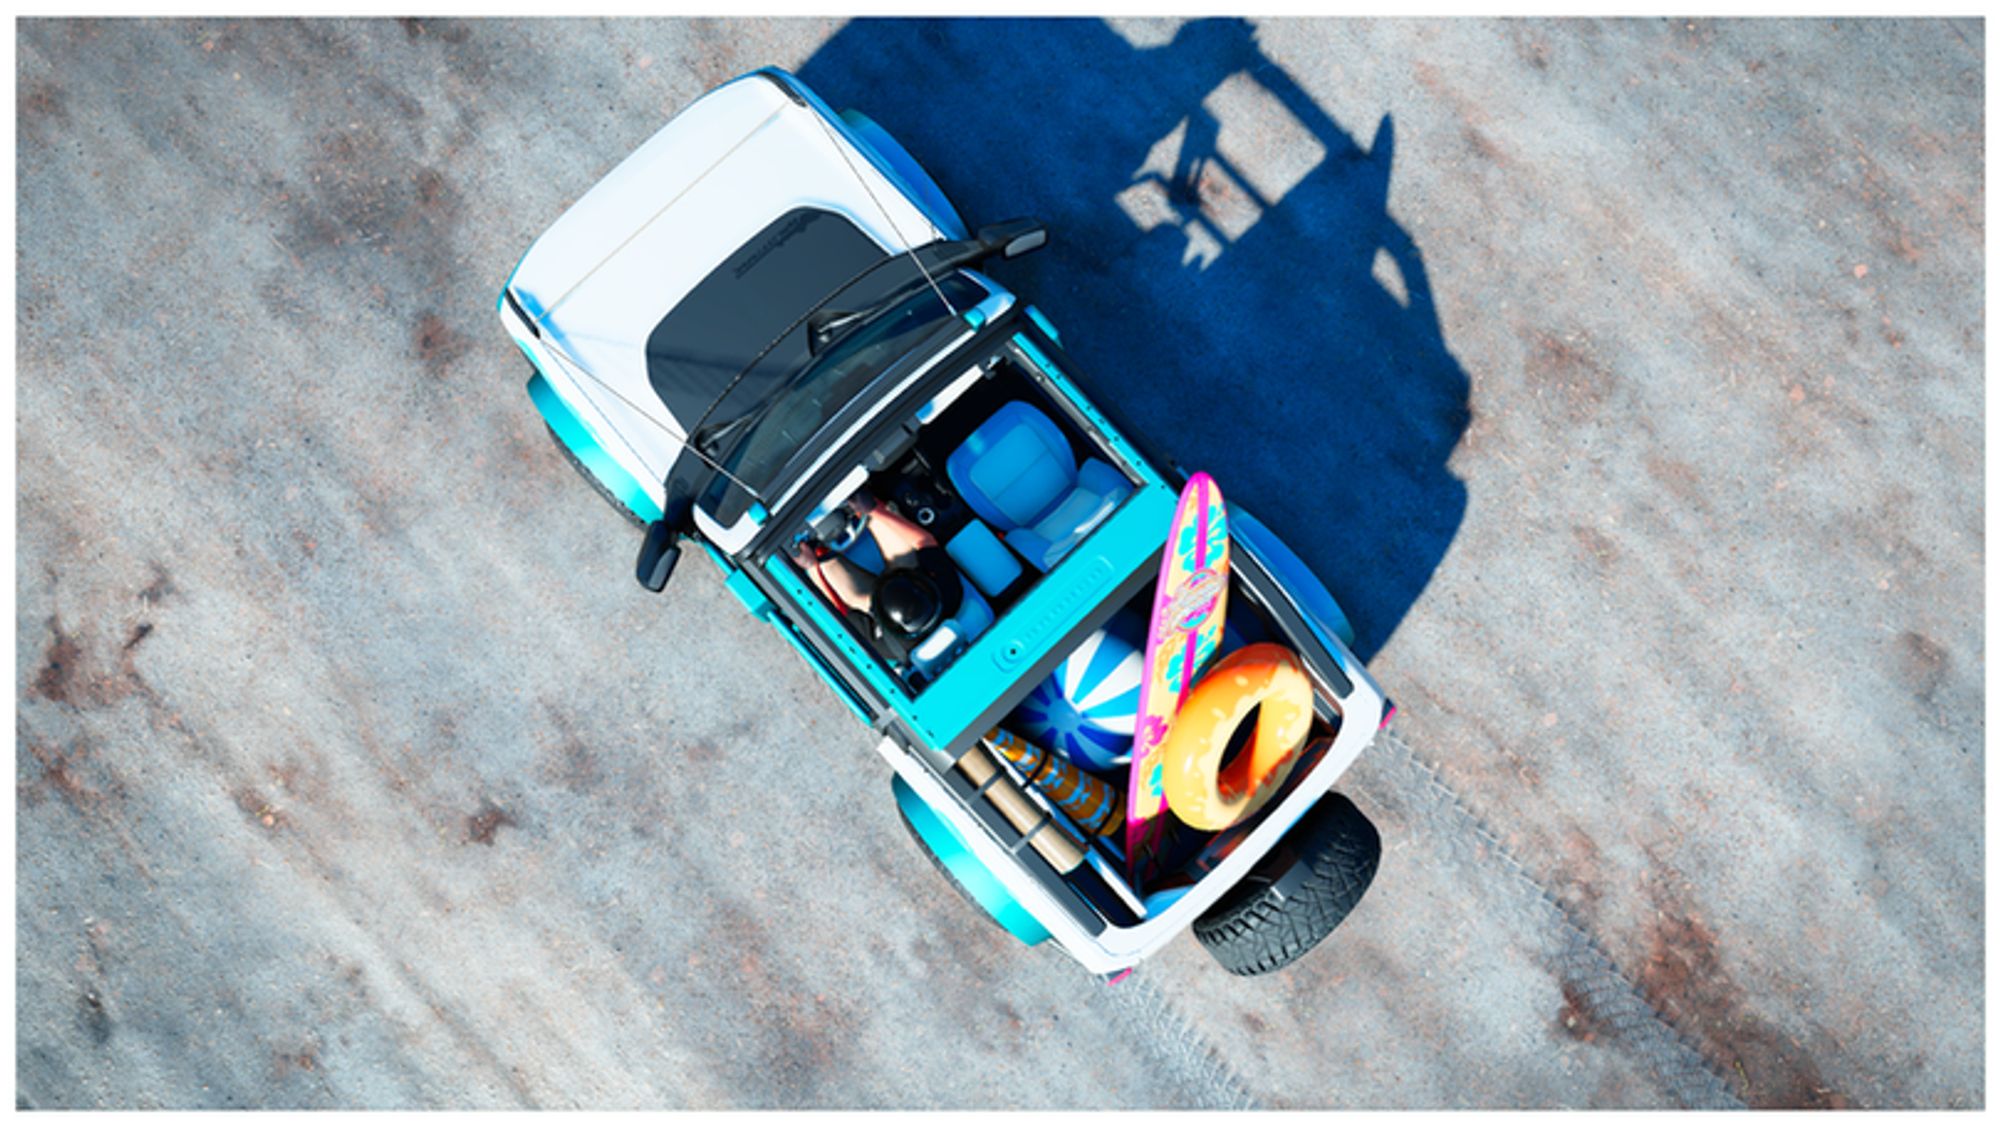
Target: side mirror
x=1012 y=238
x=658 y=554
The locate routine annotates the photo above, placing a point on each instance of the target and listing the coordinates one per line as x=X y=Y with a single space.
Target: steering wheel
x=840 y=528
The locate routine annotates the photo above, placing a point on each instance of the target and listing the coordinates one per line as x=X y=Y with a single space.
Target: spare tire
x=1294 y=897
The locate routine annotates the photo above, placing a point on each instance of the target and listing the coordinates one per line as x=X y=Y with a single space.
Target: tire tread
x=1254 y=931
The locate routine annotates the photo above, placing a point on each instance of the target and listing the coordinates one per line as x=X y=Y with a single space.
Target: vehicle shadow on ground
x=1221 y=266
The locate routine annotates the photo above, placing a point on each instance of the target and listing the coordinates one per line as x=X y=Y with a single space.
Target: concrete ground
x=1624 y=378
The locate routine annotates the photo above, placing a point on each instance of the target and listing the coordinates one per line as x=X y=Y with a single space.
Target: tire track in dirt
x=1207 y=1078
x=1599 y=997
x=1600 y=1000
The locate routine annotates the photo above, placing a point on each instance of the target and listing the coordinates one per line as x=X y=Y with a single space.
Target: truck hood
x=707 y=191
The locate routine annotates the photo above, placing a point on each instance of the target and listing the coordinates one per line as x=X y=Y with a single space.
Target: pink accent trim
x=1201 y=526
x=1121 y=976
x=1386 y=717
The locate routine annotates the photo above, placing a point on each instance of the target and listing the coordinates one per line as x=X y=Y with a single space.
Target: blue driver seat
x=1017 y=473
x=943 y=644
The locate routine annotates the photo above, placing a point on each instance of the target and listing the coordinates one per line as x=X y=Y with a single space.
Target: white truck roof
x=609 y=269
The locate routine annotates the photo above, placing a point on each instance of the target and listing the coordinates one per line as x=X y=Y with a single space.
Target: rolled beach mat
x=1089 y=801
x=1054 y=845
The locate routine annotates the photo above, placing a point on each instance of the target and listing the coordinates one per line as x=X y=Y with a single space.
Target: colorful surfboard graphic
x=1188 y=607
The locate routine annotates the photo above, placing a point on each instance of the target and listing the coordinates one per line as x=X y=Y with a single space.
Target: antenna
x=887 y=216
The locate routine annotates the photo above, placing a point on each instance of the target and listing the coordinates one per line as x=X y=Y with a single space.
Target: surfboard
x=1189 y=603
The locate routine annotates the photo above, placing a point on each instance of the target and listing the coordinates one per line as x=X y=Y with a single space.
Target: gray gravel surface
x=1624 y=378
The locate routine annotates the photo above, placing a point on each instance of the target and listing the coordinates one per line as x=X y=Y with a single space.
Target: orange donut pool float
x=1201 y=792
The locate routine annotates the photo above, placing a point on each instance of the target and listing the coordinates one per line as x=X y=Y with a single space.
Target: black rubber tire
x=1254 y=929
x=918 y=839
x=596 y=485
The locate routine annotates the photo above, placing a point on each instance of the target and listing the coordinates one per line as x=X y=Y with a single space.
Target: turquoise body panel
x=1127 y=540
x=979 y=882
x=748 y=593
x=1321 y=611
x=759 y=605
x=823 y=620
x=1042 y=322
x=791 y=635
x=571 y=431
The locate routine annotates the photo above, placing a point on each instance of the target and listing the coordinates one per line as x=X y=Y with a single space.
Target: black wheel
x=918 y=840
x=1294 y=897
x=596 y=485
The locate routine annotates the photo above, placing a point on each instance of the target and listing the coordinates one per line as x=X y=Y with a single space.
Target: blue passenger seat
x=1018 y=474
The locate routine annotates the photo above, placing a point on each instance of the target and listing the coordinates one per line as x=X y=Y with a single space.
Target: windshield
x=762 y=441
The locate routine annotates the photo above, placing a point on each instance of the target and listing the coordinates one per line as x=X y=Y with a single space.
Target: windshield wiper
x=827 y=326
x=1007 y=240
x=700 y=428
x=710 y=438
x=824 y=327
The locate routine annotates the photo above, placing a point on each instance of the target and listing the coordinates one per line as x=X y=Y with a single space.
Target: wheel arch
x=1285 y=565
x=978 y=882
x=583 y=445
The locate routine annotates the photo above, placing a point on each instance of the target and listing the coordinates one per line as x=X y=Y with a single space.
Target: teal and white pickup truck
x=765 y=329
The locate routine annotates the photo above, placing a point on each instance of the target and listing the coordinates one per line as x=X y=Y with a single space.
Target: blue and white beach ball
x=1087 y=707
